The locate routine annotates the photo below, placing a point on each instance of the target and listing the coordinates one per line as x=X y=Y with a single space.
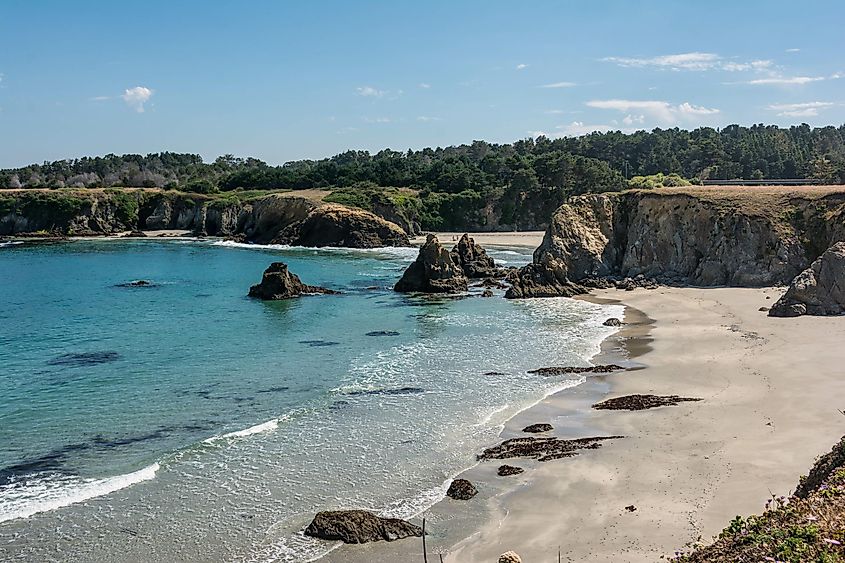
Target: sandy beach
x=771 y=391
x=522 y=238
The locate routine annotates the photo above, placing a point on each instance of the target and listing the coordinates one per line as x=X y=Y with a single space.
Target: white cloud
x=559 y=85
x=100 y=98
x=688 y=109
x=376 y=119
x=631 y=119
x=793 y=50
x=694 y=61
x=429 y=118
x=136 y=97
x=578 y=128
x=370 y=92
x=663 y=112
x=804 y=109
x=521 y=66
x=788 y=80
x=424 y=85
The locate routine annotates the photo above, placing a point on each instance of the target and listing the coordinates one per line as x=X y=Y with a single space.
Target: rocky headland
x=736 y=236
x=818 y=290
x=285 y=218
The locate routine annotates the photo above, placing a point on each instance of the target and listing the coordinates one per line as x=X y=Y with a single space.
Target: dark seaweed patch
x=397 y=391
x=383 y=333
x=319 y=343
x=273 y=389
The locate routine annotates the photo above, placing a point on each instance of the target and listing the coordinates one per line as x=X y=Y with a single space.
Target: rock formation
x=612 y=321
x=641 y=402
x=359 y=526
x=461 y=489
x=336 y=225
x=696 y=236
x=433 y=271
x=508 y=470
x=473 y=259
x=566 y=370
x=510 y=557
x=542 y=449
x=278 y=283
x=818 y=290
x=538 y=428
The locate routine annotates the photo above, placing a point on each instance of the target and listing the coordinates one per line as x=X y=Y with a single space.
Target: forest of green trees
x=463 y=179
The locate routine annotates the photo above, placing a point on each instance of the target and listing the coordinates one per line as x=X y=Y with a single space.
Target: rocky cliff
x=734 y=236
x=259 y=219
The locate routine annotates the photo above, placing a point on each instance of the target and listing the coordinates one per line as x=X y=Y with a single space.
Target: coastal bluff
x=700 y=236
x=282 y=218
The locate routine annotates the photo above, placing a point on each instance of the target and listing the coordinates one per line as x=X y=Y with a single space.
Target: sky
x=287 y=80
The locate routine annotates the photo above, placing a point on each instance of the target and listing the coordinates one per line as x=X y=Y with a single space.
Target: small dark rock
x=537 y=428
x=507 y=470
x=486 y=293
x=491 y=373
x=461 y=489
x=631 y=508
x=137 y=283
x=763 y=309
x=383 y=333
x=359 y=526
x=613 y=321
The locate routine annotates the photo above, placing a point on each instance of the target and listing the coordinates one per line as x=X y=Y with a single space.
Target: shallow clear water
x=184 y=421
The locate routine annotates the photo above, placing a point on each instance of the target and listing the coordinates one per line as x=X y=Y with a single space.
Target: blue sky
x=288 y=80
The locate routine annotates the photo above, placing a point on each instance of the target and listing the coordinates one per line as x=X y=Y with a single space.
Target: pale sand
x=771 y=391
x=530 y=239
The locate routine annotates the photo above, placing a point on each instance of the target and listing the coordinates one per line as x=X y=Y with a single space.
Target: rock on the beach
x=818 y=290
x=641 y=402
x=359 y=526
x=613 y=321
x=461 y=489
x=542 y=449
x=510 y=557
x=565 y=370
x=433 y=271
x=279 y=283
x=537 y=428
x=507 y=470
x=473 y=259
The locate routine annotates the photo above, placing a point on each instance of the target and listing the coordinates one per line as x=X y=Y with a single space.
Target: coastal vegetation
x=482 y=186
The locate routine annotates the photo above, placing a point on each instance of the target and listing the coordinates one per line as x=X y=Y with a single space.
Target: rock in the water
x=336 y=225
x=507 y=470
x=279 y=283
x=537 y=428
x=818 y=290
x=136 y=234
x=137 y=283
x=487 y=293
x=613 y=321
x=359 y=526
x=510 y=557
x=461 y=489
x=473 y=259
x=433 y=271
x=565 y=370
x=641 y=402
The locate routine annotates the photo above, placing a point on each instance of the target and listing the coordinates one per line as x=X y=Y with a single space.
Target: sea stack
x=473 y=259
x=433 y=271
x=279 y=283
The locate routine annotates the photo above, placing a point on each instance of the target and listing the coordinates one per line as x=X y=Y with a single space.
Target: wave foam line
x=268 y=426
x=22 y=500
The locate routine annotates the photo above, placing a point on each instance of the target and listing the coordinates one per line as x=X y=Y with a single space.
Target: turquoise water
x=185 y=421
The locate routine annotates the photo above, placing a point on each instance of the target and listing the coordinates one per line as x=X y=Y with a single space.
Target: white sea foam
x=41 y=494
x=393 y=251
x=10 y=243
x=268 y=426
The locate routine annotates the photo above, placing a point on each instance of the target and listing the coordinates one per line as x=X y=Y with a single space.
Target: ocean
x=184 y=421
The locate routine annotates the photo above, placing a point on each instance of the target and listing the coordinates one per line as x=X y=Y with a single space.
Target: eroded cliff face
x=697 y=236
x=261 y=220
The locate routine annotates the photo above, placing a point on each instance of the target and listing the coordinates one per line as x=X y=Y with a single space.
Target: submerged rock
x=818 y=290
x=137 y=283
x=278 y=283
x=641 y=402
x=487 y=293
x=537 y=428
x=84 y=359
x=433 y=271
x=473 y=259
x=542 y=449
x=507 y=470
x=565 y=370
x=461 y=489
x=359 y=526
